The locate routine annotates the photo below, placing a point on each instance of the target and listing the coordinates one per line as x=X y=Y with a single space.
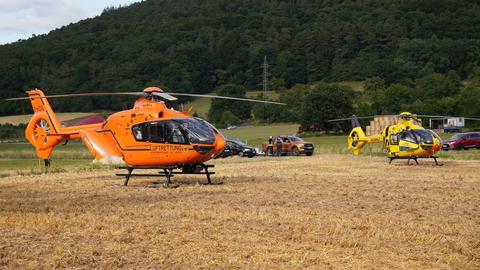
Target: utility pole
x=265 y=83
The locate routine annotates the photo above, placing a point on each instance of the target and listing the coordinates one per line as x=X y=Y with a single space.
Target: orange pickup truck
x=291 y=145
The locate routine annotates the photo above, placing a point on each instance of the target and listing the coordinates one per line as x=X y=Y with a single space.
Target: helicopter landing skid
x=416 y=161
x=166 y=171
x=436 y=162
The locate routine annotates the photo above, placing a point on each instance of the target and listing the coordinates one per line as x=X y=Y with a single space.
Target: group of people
x=278 y=142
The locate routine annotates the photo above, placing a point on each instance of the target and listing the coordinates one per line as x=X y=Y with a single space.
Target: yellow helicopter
x=404 y=140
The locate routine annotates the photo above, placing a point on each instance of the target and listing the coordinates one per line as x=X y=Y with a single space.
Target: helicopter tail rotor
x=356 y=140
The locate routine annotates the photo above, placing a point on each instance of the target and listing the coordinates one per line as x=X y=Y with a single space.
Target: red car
x=461 y=141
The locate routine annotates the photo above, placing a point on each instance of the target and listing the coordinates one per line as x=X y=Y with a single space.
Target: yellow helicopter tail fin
x=357 y=140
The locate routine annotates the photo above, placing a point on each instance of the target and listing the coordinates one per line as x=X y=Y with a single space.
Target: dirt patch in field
x=325 y=211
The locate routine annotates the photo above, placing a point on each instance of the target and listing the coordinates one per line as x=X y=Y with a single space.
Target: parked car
x=291 y=145
x=225 y=153
x=461 y=141
x=237 y=148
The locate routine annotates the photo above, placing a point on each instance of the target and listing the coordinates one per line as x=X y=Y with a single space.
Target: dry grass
x=327 y=211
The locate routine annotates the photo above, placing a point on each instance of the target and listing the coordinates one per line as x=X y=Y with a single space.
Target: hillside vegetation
x=196 y=46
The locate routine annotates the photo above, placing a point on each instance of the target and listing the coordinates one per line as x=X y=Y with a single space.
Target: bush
x=9 y=131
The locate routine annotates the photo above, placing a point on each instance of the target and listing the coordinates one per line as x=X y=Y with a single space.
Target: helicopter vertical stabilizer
x=43 y=125
x=356 y=140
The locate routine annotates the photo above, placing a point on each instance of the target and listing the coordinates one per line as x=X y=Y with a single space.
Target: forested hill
x=197 y=45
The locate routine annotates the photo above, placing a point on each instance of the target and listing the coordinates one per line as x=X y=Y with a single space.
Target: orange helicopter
x=148 y=136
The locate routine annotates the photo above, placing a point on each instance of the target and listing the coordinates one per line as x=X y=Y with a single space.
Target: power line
x=265 y=83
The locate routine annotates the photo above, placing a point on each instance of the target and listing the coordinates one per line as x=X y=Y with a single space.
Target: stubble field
x=327 y=211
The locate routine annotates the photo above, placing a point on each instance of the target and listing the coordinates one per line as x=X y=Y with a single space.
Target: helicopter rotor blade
x=224 y=97
x=86 y=95
x=349 y=118
x=443 y=116
x=415 y=116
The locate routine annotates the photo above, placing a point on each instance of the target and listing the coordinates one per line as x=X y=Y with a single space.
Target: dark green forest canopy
x=197 y=45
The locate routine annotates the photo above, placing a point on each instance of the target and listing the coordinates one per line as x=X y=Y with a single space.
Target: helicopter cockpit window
x=197 y=131
x=408 y=136
x=423 y=136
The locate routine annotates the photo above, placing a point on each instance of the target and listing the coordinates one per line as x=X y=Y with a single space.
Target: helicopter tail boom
x=44 y=131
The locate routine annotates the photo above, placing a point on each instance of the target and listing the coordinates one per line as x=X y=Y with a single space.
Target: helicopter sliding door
x=163 y=143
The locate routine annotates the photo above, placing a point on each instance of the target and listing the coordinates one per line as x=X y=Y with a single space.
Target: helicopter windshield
x=197 y=131
x=418 y=136
x=435 y=135
x=423 y=136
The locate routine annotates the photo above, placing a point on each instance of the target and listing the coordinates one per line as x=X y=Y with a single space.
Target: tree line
x=312 y=105
x=197 y=46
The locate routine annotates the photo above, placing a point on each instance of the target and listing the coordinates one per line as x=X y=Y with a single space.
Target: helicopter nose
x=220 y=143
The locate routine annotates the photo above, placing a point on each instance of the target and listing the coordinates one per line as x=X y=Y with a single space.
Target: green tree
x=435 y=86
x=228 y=118
x=240 y=109
x=469 y=101
x=474 y=77
x=374 y=85
x=324 y=102
x=394 y=97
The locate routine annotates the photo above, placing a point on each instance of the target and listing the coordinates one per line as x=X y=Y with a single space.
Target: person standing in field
x=279 y=146
x=270 y=146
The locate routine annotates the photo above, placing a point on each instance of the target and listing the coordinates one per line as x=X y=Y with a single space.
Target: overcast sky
x=19 y=19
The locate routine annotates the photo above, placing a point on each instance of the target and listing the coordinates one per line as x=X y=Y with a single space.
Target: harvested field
x=327 y=211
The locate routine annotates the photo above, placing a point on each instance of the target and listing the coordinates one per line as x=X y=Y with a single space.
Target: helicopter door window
x=156 y=132
x=394 y=139
x=138 y=132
